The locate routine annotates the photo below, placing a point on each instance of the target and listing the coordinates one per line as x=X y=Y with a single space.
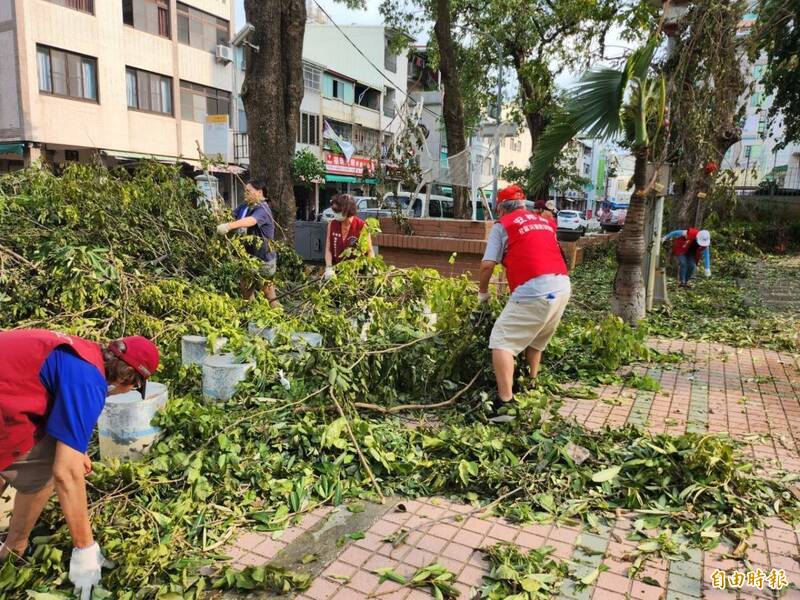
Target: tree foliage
x=777 y=36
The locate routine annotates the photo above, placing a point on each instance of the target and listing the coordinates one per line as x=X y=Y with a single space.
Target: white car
x=572 y=220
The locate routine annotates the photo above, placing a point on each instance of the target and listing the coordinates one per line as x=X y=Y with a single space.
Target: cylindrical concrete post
x=125 y=428
x=221 y=374
x=194 y=348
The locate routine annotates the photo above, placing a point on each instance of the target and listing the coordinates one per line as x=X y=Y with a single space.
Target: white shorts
x=528 y=324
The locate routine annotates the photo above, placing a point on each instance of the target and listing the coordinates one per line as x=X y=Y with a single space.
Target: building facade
x=112 y=80
x=353 y=82
x=756 y=159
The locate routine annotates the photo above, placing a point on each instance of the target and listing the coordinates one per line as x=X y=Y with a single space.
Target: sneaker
x=502 y=412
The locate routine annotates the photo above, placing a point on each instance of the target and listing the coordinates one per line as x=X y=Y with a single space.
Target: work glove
x=664 y=239
x=223 y=228
x=483 y=297
x=708 y=272
x=329 y=274
x=85 y=569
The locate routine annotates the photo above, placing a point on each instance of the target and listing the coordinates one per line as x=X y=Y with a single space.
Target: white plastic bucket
x=125 y=428
x=194 y=348
x=221 y=374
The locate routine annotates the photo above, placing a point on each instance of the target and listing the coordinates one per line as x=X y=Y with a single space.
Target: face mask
x=339 y=216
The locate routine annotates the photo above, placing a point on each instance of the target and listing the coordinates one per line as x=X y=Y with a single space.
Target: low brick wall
x=434 y=241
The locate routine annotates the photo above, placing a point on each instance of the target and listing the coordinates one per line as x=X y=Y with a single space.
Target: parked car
x=369 y=207
x=572 y=220
x=613 y=219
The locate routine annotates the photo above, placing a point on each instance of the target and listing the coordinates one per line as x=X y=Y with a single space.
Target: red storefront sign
x=336 y=164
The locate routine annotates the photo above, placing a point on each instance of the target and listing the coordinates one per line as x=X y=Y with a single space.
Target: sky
x=341 y=14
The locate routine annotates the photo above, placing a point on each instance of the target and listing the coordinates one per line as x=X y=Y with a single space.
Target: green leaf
x=606 y=474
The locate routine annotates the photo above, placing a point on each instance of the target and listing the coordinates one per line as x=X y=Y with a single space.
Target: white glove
x=84 y=569
x=664 y=239
x=223 y=228
x=708 y=272
x=483 y=297
x=329 y=274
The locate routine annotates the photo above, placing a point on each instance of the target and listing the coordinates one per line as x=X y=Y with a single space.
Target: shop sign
x=336 y=164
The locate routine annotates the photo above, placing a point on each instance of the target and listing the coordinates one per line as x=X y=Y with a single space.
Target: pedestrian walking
x=524 y=242
x=260 y=223
x=52 y=390
x=344 y=233
x=690 y=246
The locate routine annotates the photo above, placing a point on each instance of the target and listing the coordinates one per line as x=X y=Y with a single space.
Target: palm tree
x=628 y=104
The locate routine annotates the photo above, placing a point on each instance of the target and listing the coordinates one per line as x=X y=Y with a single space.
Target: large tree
x=452 y=102
x=705 y=71
x=778 y=37
x=542 y=39
x=609 y=103
x=272 y=92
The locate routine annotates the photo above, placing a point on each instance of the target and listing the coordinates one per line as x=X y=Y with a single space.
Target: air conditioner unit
x=224 y=53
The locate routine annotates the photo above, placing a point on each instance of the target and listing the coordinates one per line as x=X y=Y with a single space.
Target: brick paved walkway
x=752 y=394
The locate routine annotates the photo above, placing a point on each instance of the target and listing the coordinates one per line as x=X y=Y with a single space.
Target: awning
x=12 y=148
x=120 y=155
x=348 y=179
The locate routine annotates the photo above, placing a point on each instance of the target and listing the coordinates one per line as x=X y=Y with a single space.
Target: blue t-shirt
x=78 y=391
x=264 y=228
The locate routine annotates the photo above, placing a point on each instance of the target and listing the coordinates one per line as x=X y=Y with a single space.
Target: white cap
x=550 y=205
x=703 y=238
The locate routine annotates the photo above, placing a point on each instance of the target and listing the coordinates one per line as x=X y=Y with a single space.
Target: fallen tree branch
x=396 y=409
x=358 y=448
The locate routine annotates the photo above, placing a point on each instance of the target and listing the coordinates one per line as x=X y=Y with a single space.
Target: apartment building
x=756 y=158
x=113 y=80
x=353 y=81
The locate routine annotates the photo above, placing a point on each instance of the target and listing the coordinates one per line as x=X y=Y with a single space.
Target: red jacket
x=533 y=249
x=338 y=244
x=24 y=401
x=683 y=245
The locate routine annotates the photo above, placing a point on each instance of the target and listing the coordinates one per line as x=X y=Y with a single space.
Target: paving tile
x=457 y=551
x=321 y=589
x=684 y=585
x=363 y=581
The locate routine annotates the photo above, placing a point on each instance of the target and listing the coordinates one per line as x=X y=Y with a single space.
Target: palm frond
x=596 y=102
x=548 y=147
x=638 y=63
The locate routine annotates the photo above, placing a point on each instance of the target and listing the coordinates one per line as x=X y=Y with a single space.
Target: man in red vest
x=52 y=390
x=524 y=242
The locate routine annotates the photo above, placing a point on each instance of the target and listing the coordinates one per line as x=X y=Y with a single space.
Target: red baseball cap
x=512 y=192
x=540 y=204
x=140 y=353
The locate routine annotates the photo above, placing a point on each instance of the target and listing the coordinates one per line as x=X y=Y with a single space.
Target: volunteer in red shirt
x=690 y=246
x=343 y=233
x=52 y=390
x=524 y=242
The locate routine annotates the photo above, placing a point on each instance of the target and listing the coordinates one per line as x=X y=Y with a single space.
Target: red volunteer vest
x=681 y=245
x=338 y=244
x=532 y=247
x=24 y=401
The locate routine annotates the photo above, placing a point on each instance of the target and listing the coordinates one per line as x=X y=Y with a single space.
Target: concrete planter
x=268 y=333
x=221 y=374
x=125 y=428
x=194 y=348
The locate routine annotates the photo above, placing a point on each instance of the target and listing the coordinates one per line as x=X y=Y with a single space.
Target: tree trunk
x=272 y=91
x=452 y=103
x=628 y=301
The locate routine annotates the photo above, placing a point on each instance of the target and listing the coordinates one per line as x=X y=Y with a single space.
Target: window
x=241 y=124
x=308 y=132
x=201 y=30
x=366 y=140
x=388 y=102
x=198 y=101
x=762 y=125
x=149 y=91
x=758 y=71
x=311 y=78
x=66 y=74
x=86 y=6
x=389 y=57
x=71 y=156
x=756 y=98
x=338 y=88
x=151 y=16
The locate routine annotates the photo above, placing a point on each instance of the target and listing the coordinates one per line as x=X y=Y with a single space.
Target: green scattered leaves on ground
x=642 y=382
x=435 y=576
x=516 y=575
